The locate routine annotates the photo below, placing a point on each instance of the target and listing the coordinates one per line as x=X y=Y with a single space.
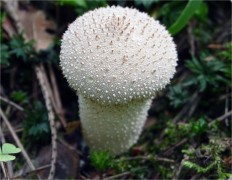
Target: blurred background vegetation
x=188 y=131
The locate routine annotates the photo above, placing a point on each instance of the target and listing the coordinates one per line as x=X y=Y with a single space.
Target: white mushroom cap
x=115 y=55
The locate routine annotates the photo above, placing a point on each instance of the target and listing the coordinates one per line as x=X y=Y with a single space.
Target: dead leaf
x=72 y=127
x=33 y=24
x=8 y=27
x=228 y=160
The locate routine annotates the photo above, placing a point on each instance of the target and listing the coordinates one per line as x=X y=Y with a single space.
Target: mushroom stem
x=114 y=128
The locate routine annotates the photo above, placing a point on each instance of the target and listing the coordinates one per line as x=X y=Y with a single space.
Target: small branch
x=19 y=144
x=227 y=105
x=177 y=174
x=5 y=172
x=77 y=152
x=11 y=103
x=33 y=172
x=167 y=152
x=117 y=176
x=59 y=108
x=150 y=158
x=192 y=107
x=51 y=118
x=186 y=107
x=47 y=85
x=221 y=118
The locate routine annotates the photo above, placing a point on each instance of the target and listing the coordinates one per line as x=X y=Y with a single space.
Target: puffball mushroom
x=116 y=59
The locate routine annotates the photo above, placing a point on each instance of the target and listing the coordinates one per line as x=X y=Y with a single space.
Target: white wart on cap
x=114 y=56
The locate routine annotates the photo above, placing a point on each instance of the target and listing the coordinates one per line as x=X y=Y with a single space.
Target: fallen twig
x=47 y=84
x=77 y=152
x=11 y=103
x=54 y=95
x=221 y=118
x=4 y=169
x=177 y=174
x=117 y=176
x=59 y=108
x=168 y=151
x=33 y=172
x=192 y=108
x=186 y=108
x=150 y=158
x=51 y=118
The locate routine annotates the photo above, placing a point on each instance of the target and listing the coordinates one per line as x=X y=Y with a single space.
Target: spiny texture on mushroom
x=116 y=59
x=113 y=128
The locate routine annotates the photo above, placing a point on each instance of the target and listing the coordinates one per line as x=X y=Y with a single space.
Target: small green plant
x=4 y=49
x=36 y=127
x=206 y=72
x=212 y=155
x=178 y=96
x=16 y=48
x=20 y=48
x=19 y=96
x=6 y=152
x=101 y=160
x=194 y=128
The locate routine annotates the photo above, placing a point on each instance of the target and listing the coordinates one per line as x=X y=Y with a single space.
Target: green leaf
x=5 y=157
x=185 y=16
x=8 y=148
x=81 y=3
x=4 y=49
x=101 y=160
x=19 y=96
x=202 y=12
x=20 y=48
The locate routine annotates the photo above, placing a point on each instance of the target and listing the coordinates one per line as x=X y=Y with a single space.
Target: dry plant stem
x=77 y=152
x=51 y=118
x=18 y=142
x=221 y=118
x=33 y=172
x=47 y=84
x=227 y=105
x=54 y=98
x=9 y=164
x=5 y=172
x=11 y=103
x=55 y=89
x=177 y=174
x=186 y=108
x=117 y=176
x=167 y=152
x=192 y=108
x=151 y=158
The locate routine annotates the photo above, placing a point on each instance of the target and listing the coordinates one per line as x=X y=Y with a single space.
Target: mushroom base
x=113 y=128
